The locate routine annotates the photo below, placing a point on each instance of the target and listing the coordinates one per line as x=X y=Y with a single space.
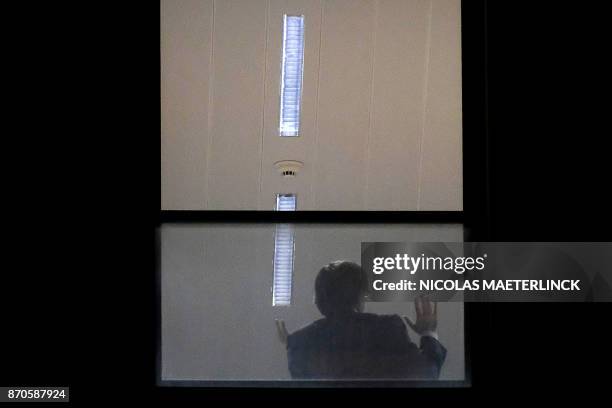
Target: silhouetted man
x=350 y=344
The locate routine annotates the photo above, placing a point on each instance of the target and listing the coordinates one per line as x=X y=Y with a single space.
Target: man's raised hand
x=281 y=330
x=426 y=316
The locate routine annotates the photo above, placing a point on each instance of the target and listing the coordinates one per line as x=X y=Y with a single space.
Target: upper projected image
x=340 y=104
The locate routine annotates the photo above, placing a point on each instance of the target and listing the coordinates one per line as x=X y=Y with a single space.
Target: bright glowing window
x=286 y=202
x=291 y=75
x=284 y=247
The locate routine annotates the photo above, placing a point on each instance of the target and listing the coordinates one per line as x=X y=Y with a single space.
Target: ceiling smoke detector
x=288 y=168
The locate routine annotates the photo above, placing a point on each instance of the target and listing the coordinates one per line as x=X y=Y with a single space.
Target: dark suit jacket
x=362 y=346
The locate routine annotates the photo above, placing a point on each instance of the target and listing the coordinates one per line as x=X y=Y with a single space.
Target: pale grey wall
x=217 y=313
x=381 y=106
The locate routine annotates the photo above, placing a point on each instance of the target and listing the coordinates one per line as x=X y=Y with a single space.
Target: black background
x=81 y=190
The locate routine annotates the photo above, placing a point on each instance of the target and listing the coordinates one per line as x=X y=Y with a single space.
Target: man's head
x=340 y=288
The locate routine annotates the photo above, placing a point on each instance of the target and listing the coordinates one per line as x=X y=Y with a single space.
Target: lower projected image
x=288 y=303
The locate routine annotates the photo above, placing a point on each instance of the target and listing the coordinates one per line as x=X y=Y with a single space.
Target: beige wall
x=381 y=105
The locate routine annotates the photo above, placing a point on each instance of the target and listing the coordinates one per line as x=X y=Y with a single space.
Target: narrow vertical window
x=285 y=202
x=291 y=75
x=283 y=254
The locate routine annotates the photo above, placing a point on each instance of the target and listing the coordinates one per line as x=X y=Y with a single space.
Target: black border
x=475 y=216
x=335 y=217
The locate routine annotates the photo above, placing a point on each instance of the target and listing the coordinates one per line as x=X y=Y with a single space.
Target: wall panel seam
x=211 y=76
x=315 y=157
x=371 y=107
x=263 y=105
x=425 y=92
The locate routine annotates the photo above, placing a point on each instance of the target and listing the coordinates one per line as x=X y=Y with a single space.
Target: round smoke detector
x=288 y=168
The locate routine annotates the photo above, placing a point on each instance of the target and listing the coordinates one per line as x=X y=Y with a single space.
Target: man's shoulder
x=376 y=322
x=382 y=318
x=379 y=320
x=301 y=335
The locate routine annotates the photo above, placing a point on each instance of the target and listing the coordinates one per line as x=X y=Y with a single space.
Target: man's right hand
x=426 y=317
x=281 y=331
